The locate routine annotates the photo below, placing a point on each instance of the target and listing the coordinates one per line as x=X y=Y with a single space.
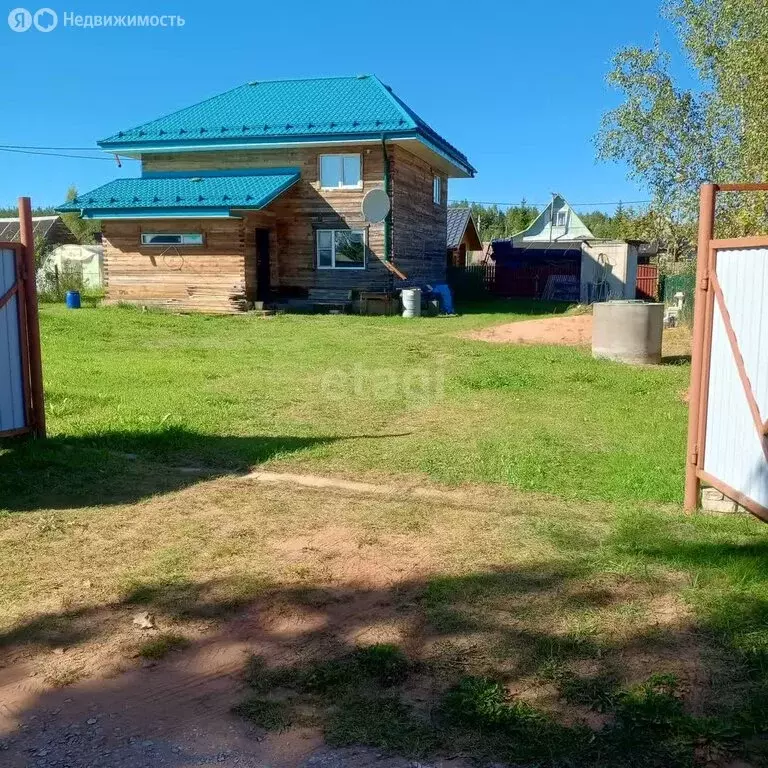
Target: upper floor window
x=437 y=190
x=174 y=238
x=340 y=172
x=560 y=218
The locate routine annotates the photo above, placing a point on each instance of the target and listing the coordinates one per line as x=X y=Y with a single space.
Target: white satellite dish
x=375 y=206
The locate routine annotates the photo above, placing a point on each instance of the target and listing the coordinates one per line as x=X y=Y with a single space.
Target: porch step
x=263 y=312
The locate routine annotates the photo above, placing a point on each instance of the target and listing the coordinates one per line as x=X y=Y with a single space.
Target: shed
x=462 y=236
x=51 y=228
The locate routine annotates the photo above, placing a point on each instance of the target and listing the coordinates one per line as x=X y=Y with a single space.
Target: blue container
x=73 y=299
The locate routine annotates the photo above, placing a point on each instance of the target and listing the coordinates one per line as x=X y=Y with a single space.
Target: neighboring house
x=52 y=229
x=462 y=236
x=559 y=244
x=256 y=194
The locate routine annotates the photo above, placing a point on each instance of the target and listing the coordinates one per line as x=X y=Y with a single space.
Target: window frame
x=333 y=230
x=340 y=156
x=555 y=222
x=180 y=235
x=437 y=189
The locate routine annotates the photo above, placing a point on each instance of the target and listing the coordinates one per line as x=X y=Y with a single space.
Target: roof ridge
x=361 y=76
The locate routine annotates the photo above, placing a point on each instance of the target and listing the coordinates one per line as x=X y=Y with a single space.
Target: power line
x=61 y=149
x=55 y=154
x=544 y=205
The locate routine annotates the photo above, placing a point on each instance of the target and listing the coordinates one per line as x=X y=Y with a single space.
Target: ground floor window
x=340 y=249
x=180 y=238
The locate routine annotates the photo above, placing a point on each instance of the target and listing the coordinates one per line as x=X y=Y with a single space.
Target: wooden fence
x=647 y=282
x=508 y=281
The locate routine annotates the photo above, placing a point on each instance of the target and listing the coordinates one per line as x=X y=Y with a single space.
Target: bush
x=54 y=283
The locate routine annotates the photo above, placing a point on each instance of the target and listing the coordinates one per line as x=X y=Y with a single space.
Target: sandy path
x=573 y=330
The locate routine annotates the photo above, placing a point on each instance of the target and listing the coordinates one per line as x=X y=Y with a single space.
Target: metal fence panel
x=734 y=451
x=11 y=382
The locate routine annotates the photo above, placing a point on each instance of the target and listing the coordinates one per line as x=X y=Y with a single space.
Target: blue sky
x=523 y=105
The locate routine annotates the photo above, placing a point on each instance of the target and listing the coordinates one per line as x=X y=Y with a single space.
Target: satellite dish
x=375 y=206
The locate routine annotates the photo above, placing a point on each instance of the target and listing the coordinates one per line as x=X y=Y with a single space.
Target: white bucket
x=411 y=302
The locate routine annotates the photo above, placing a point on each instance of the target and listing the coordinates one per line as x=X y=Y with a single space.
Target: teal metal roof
x=280 y=111
x=214 y=194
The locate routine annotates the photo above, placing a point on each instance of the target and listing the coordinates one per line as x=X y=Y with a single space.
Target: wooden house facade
x=216 y=223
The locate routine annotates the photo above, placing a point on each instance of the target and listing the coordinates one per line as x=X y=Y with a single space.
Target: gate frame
x=703 y=321
x=25 y=290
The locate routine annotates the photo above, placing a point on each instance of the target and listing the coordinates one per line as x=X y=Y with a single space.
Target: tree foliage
x=495 y=223
x=83 y=229
x=675 y=138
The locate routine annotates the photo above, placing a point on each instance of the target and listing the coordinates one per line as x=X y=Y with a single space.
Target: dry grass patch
x=567 y=605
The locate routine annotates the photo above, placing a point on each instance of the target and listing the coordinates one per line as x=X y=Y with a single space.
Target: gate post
x=33 y=320
x=706 y=234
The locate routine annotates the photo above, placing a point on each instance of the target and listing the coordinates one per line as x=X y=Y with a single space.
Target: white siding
x=733 y=451
x=11 y=391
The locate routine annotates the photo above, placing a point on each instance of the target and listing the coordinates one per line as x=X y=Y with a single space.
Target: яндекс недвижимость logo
x=43 y=20
x=46 y=20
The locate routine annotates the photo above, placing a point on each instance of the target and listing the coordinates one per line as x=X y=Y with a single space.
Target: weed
x=265 y=713
x=384 y=663
x=159 y=647
x=383 y=721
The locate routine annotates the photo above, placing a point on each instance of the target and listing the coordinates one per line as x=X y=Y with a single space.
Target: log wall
x=208 y=278
x=221 y=276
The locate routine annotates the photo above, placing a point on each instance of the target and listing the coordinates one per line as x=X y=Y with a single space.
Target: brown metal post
x=706 y=234
x=33 y=319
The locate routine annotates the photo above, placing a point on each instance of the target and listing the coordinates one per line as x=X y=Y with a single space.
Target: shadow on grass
x=676 y=360
x=468 y=641
x=492 y=306
x=124 y=467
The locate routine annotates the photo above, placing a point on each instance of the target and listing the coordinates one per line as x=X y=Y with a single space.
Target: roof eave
x=136 y=149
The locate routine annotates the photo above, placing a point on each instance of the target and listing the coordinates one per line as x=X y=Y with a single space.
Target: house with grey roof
x=263 y=193
x=462 y=236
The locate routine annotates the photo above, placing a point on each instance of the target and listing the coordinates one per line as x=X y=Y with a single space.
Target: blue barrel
x=73 y=299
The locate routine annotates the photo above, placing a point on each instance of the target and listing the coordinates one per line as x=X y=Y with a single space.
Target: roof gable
x=459 y=219
x=547 y=227
x=288 y=111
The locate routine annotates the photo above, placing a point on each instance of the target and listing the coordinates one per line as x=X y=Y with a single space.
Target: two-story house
x=256 y=194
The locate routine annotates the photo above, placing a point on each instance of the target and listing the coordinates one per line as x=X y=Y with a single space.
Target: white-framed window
x=341 y=249
x=437 y=190
x=171 y=238
x=560 y=218
x=341 y=172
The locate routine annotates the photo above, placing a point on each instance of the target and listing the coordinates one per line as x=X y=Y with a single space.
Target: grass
x=346 y=395
x=543 y=602
x=160 y=646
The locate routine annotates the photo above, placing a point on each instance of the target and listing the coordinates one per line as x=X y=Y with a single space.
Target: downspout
x=388 y=190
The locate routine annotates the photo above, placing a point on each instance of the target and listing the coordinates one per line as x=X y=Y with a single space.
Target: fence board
x=647 y=282
x=12 y=414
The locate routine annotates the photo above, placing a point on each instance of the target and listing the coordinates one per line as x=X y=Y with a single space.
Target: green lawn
x=556 y=609
x=353 y=394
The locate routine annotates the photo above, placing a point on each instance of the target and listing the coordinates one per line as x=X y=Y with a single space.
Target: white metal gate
x=14 y=398
x=728 y=427
x=735 y=449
